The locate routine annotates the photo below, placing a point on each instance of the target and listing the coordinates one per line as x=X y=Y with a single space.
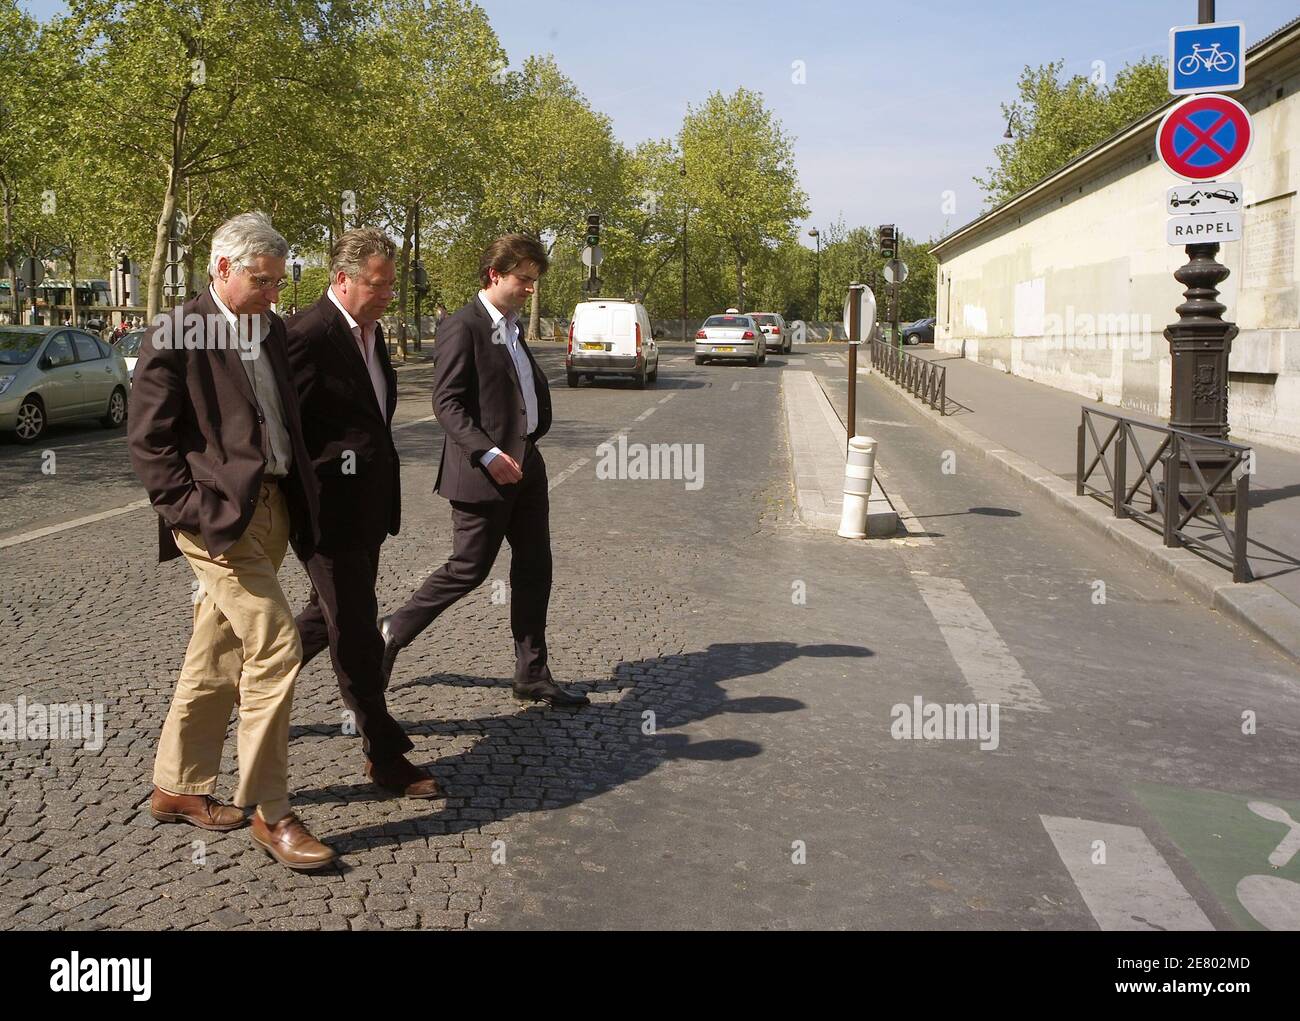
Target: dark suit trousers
x=523 y=520
x=342 y=616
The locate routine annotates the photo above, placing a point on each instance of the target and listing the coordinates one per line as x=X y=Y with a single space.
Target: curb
x=818 y=506
x=1254 y=605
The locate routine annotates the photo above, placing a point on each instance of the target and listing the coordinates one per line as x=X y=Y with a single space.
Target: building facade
x=1070 y=283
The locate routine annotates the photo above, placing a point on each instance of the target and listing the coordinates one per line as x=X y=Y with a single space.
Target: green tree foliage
x=741 y=181
x=1054 y=121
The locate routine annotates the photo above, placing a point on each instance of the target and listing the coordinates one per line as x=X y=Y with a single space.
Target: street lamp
x=1013 y=119
x=686 y=208
x=817 y=289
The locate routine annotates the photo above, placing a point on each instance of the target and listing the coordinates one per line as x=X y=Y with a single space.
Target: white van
x=612 y=337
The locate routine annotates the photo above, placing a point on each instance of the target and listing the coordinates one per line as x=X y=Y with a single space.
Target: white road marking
x=89 y=519
x=576 y=466
x=735 y=386
x=665 y=400
x=418 y=421
x=983 y=658
x=645 y=414
x=1135 y=890
x=795 y=361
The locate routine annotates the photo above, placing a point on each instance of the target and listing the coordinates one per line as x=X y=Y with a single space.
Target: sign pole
x=855 y=333
x=1199 y=346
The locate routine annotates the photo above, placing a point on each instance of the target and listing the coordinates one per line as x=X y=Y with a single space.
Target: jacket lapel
x=225 y=350
x=501 y=342
x=390 y=376
x=342 y=336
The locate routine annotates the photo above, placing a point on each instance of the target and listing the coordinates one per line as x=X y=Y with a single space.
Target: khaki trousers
x=244 y=648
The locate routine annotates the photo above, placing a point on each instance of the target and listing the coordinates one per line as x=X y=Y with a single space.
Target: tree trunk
x=403 y=279
x=9 y=254
x=535 y=315
x=740 y=282
x=162 y=234
x=72 y=268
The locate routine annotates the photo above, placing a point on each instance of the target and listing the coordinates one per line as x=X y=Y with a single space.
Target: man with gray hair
x=216 y=439
x=348 y=394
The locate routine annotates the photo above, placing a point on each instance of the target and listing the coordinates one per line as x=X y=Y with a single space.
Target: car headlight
x=5 y=381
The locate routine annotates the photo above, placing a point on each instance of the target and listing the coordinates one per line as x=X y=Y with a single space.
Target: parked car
x=129 y=346
x=612 y=337
x=730 y=335
x=773 y=326
x=51 y=374
x=919 y=332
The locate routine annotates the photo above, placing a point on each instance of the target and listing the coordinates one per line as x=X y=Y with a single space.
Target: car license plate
x=724 y=349
x=593 y=347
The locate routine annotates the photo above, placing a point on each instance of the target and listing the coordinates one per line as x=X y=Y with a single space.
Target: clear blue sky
x=901 y=101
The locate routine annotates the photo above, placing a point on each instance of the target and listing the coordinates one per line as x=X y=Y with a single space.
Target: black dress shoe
x=550 y=693
x=391 y=649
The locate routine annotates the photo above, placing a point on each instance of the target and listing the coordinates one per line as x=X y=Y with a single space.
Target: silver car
x=51 y=374
x=730 y=335
x=773 y=326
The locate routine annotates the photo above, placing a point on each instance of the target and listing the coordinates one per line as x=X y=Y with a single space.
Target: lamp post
x=686 y=208
x=817 y=274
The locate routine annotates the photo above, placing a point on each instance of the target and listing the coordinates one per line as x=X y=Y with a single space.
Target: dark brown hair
x=507 y=252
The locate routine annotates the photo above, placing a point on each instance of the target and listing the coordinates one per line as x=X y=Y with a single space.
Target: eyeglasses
x=264 y=283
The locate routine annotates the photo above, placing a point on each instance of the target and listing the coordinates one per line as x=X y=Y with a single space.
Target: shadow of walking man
x=542 y=758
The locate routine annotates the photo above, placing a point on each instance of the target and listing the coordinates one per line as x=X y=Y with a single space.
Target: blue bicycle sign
x=1206 y=58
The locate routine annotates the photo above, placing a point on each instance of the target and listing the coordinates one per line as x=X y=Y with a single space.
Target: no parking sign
x=1204 y=137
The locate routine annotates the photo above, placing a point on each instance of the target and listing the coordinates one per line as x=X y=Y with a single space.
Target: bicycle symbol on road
x=1273 y=901
x=1209 y=58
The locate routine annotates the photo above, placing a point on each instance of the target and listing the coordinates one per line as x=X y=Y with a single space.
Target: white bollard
x=858 y=470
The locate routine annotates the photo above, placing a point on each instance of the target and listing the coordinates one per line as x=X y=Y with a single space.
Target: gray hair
x=243 y=238
x=356 y=247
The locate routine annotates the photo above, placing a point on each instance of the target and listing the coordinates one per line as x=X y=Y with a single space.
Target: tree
x=558 y=160
x=432 y=120
x=741 y=180
x=192 y=90
x=25 y=125
x=1054 y=121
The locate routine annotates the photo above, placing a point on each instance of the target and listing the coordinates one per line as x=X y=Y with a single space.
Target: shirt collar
x=221 y=306
x=496 y=314
x=352 y=323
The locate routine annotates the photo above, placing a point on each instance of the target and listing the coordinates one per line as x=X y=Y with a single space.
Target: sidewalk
x=1039 y=423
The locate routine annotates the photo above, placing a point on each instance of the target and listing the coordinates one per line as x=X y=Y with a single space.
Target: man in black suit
x=348 y=393
x=493 y=404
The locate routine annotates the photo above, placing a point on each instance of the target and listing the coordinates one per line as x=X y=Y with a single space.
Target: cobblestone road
x=742 y=671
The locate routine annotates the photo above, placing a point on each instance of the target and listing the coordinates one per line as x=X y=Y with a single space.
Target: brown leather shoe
x=201 y=810
x=403 y=777
x=289 y=843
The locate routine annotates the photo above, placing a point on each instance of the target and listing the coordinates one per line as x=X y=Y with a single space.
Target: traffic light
x=888 y=241
x=593 y=229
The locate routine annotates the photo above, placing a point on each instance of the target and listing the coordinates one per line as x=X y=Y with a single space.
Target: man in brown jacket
x=215 y=436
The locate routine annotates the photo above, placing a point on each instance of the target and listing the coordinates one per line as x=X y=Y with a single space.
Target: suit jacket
x=477 y=401
x=340 y=414
x=195 y=434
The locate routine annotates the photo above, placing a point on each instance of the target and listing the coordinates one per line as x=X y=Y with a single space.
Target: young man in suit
x=348 y=393
x=493 y=404
x=215 y=437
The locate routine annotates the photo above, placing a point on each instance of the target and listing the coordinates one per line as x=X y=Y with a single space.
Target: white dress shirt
x=365 y=338
x=523 y=367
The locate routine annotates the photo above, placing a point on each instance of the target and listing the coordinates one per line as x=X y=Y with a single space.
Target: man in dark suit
x=493 y=404
x=348 y=392
x=215 y=437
